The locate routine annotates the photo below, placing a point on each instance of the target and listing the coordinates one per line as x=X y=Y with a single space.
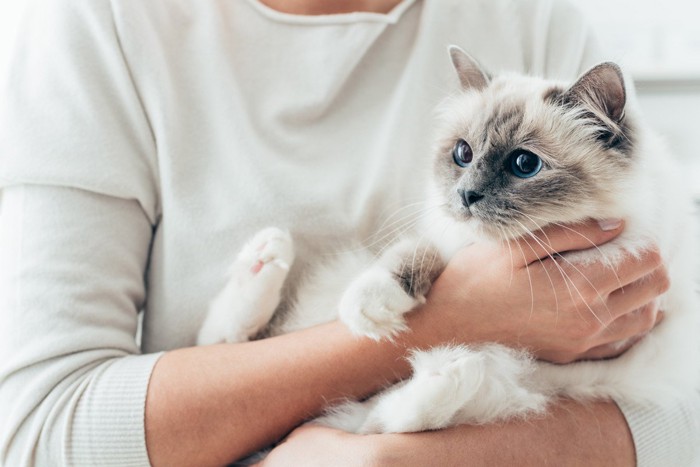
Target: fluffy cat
x=514 y=154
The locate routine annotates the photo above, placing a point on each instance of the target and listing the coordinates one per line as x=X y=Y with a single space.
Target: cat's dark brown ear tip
x=611 y=74
x=603 y=86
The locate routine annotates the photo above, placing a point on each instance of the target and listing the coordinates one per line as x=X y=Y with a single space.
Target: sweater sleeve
x=70 y=114
x=72 y=382
x=663 y=435
x=79 y=205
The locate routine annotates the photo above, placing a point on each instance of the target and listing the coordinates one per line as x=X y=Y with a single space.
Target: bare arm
x=570 y=434
x=210 y=405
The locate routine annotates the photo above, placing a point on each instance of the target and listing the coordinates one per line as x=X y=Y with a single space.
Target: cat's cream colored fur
x=456 y=384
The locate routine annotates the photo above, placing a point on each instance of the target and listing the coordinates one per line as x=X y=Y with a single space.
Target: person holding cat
x=143 y=143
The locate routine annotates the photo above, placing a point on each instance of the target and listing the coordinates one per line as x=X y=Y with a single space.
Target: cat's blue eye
x=462 y=153
x=525 y=164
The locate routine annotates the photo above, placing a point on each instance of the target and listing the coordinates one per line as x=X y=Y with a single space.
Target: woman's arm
x=570 y=434
x=72 y=380
x=211 y=405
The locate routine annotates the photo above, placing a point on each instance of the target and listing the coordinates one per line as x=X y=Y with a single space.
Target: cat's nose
x=470 y=197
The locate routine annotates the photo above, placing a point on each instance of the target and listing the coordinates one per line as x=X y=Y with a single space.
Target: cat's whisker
x=386 y=239
x=544 y=246
x=529 y=278
x=410 y=226
x=504 y=239
x=554 y=289
x=413 y=218
x=566 y=279
x=606 y=260
x=564 y=274
x=396 y=213
x=548 y=244
x=387 y=231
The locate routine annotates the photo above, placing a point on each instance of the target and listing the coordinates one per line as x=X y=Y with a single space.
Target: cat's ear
x=601 y=89
x=470 y=74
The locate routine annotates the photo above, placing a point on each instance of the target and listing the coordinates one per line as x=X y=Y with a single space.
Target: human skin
x=210 y=405
x=570 y=434
x=324 y=7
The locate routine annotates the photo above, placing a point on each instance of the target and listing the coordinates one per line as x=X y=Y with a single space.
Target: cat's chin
x=486 y=229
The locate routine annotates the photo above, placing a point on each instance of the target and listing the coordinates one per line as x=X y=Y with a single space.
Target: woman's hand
x=523 y=294
x=314 y=445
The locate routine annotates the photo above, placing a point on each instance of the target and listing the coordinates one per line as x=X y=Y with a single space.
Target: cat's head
x=517 y=153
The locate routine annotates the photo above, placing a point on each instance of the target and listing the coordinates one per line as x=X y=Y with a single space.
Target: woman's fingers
x=633 y=268
x=555 y=239
x=639 y=292
x=635 y=323
x=621 y=336
x=634 y=281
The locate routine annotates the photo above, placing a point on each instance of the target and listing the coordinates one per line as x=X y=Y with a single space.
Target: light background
x=658 y=42
x=655 y=39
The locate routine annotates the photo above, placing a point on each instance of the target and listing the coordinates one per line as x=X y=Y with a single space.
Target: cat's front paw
x=269 y=247
x=374 y=304
x=453 y=385
x=248 y=300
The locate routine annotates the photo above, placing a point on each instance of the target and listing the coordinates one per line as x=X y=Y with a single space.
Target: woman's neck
x=326 y=7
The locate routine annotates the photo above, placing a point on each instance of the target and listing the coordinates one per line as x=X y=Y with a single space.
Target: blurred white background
x=654 y=39
x=658 y=42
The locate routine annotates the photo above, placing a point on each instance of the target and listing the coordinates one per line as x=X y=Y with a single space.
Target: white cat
x=514 y=154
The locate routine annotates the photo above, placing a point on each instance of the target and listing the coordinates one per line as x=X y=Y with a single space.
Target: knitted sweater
x=141 y=142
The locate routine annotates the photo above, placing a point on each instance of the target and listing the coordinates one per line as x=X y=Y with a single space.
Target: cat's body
x=538 y=153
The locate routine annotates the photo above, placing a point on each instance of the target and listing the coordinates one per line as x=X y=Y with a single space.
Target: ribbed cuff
x=667 y=435
x=108 y=423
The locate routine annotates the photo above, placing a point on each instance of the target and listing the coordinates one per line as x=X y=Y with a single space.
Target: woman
x=143 y=142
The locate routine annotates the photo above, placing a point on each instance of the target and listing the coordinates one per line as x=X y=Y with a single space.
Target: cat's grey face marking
x=580 y=134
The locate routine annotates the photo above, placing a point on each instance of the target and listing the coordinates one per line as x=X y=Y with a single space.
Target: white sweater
x=142 y=141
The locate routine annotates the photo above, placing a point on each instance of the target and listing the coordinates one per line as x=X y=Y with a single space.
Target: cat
x=514 y=153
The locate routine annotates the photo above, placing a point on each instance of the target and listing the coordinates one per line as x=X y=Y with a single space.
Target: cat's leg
x=252 y=293
x=454 y=385
x=374 y=303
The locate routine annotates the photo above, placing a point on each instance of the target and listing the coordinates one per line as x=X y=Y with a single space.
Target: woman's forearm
x=570 y=434
x=211 y=405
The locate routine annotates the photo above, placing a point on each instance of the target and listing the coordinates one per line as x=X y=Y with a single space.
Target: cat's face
x=519 y=153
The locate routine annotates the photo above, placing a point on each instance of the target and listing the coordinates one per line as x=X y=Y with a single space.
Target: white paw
x=455 y=373
x=374 y=304
x=250 y=297
x=269 y=247
x=444 y=381
x=454 y=385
